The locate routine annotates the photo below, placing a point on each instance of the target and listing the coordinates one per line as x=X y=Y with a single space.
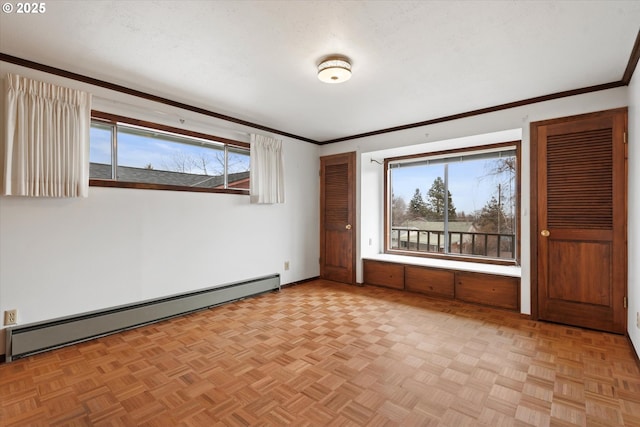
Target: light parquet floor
x=327 y=354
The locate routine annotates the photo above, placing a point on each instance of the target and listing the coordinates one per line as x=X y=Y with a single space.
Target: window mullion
x=114 y=152
x=226 y=167
x=446 y=209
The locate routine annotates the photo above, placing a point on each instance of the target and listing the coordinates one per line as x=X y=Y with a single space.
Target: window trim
x=455 y=257
x=114 y=119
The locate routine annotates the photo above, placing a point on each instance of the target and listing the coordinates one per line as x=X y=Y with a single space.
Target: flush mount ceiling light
x=334 y=70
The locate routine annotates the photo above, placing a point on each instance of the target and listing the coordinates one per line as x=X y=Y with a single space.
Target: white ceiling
x=256 y=60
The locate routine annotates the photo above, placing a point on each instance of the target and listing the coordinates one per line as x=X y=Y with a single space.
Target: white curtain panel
x=46 y=139
x=267 y=170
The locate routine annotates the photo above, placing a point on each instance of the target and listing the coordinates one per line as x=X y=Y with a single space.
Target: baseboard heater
x=26 y=340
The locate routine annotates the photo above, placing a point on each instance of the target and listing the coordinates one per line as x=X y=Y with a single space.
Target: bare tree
x=210 y=163
x=398 y=210
x=179 y=162
x=503 y=172
x=202 y=163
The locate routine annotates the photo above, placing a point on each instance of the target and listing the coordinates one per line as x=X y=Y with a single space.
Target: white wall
x=60 y=257
x=634 y=211
x=463 y=133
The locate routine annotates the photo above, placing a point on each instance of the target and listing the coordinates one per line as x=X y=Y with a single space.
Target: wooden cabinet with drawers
x=479 y=288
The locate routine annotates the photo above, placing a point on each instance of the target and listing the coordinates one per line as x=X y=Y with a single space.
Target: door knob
x=545 y=233
x=348 y=226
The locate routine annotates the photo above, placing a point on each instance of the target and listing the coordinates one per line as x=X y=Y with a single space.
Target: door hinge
x=624 y=137
x=624 y=302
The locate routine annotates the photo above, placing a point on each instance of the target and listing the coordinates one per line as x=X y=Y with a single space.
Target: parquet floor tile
x=327 y=354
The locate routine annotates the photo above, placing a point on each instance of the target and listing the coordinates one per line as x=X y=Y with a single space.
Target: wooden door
x=337 y=218
x=578 y=228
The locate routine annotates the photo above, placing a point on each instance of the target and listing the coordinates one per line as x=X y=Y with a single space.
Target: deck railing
x=496 y=245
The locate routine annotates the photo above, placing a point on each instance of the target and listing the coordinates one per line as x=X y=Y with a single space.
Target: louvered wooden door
x=337 y=218
x=579 y=224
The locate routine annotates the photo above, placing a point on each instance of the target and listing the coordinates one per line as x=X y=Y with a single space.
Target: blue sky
x=470 y=183
x=140 y=151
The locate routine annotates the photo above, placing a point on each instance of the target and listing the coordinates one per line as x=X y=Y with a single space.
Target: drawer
x=429 y=281
x=388 y=274
x=488 y=289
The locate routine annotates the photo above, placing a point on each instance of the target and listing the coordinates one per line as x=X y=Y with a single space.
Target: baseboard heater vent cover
x=26 y=340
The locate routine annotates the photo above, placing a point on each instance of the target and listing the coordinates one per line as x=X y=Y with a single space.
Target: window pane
x=484 y=192
x=238 y=168
x=100 y=154
x=159 y=158
x=417 y=215
x=464 y=204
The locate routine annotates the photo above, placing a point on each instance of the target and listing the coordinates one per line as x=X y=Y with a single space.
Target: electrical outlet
x=286 y=265
x=10 y=317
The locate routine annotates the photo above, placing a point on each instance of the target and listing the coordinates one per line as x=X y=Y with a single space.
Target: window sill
x=502 y=270
x=147 y=186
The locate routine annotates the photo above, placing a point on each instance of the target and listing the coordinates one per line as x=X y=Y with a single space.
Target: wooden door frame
x=533 y=208
x=350 y=157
